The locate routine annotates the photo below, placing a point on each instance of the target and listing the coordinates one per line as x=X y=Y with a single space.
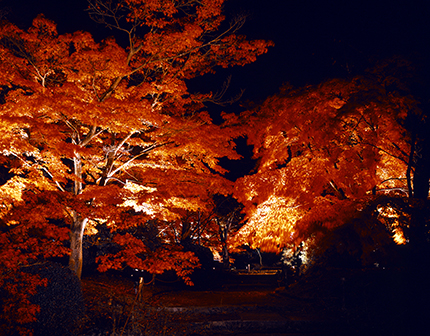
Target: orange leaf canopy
x=323 y=151
x=80 y=113
x=111 y=132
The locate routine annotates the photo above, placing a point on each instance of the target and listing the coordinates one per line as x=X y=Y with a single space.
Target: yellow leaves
x=11 y=191
x=136 y=188
x=394 y=220
x=398 y=236
x=187 y=204
x=391 y=173
x=133 y=201
x=270 y=225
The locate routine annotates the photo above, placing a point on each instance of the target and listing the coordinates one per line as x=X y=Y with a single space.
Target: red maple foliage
x=325 y=153
x=94 y=132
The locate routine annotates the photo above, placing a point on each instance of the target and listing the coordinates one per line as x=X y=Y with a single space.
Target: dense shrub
x=61 y=301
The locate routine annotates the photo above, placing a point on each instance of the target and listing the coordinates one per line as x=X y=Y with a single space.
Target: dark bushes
x=61 y=301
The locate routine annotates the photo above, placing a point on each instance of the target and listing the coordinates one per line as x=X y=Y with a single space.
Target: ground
x=324 y=302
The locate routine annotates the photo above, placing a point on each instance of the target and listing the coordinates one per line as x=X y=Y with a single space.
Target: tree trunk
x=410 y=164
x=223 y=234
x=225 y=256
x=421 y=180
x=418 y=231
x=185 y=238
x=76 y=238
x=77 y=226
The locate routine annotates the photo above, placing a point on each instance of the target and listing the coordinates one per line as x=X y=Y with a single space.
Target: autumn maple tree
x=107 y=131
x=326 y=153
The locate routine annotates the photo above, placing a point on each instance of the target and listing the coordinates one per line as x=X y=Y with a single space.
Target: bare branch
x=143 y=152
x=217 y=98
x=56 y=182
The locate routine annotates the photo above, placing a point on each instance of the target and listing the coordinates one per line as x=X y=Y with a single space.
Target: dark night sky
x=314 y=39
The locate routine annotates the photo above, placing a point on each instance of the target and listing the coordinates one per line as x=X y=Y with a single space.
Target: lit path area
x=245 y=304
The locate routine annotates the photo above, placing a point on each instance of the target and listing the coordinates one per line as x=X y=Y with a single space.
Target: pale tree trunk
x=78 y=224
x=76 y=238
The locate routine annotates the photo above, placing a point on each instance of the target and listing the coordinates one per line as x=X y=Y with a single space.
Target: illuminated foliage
x=30 y=240
x=324 y=152
x=212 y=227
x=269 y=225
x=164 y=258
x=98 y=131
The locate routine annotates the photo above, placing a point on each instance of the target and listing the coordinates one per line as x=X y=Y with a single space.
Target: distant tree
x=193 y=226
x=229 y=219
x=210 y=228
x=325 y=152
x=412 y=78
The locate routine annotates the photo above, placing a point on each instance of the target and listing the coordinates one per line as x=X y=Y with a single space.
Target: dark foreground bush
x=61 y=301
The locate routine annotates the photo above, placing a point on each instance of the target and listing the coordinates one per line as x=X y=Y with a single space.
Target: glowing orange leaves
x=86 y=120
x=27 y=237
x=325 y=150
x=155 y=262
x=395 y=220
x=19 y=286
x=161 y=13
x=270 y=225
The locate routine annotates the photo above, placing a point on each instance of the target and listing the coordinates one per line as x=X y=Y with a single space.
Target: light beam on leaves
x=270 y=225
